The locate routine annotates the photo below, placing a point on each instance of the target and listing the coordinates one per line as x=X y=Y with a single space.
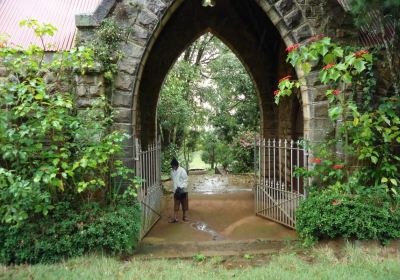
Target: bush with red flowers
x=355 y=190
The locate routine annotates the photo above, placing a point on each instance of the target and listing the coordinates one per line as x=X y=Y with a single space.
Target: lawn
x=197 y=162
x=353 y=263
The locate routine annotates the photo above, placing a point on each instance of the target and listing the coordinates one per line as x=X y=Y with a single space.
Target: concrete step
x=213 y=248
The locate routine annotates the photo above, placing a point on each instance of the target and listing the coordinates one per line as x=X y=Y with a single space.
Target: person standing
x=180 y=181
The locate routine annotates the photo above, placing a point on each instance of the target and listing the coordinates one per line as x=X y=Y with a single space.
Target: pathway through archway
x=221 y=208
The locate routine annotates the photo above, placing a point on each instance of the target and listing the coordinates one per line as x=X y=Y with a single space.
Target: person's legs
x=176 y=210
x=185 y=206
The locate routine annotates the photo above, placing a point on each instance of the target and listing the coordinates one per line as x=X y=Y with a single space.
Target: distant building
x=60 y=13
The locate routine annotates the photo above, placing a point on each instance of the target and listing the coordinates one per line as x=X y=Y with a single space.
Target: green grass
x=197 y=162
x=320 y=264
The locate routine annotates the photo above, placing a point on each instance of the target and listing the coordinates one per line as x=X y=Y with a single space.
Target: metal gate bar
x=147 y=167
x=278 y=191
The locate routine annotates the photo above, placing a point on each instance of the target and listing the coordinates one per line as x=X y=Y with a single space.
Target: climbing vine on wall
x=367 y=134
x=105 y=46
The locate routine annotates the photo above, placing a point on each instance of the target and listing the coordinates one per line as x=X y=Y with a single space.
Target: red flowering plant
x=325 y=167
x=367 y=132
x=285 y=87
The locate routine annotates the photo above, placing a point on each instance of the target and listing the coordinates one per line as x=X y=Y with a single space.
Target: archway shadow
x=247 y=30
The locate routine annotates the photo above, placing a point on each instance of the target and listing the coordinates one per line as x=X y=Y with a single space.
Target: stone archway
x=257 y=30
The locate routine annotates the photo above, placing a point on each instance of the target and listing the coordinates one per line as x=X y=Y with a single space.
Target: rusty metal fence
x=278 y=191
x=148 y=168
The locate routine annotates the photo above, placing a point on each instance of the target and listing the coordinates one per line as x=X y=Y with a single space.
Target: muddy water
x=220 y=208
x=201 y=226
x=217 y=184
x=214 y=184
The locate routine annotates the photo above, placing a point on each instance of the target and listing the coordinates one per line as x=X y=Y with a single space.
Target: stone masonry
x=258 y=31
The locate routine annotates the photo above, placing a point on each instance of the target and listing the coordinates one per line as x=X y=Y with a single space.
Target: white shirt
x=179 y=178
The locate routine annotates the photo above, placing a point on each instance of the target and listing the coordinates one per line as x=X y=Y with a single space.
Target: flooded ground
x=220 y=208
x=215 y=184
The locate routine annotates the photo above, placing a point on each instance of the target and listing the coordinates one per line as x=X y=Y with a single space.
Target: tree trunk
x=174 y=131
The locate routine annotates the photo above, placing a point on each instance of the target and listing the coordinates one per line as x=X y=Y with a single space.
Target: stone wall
x=138 y=80
x=3 y=73
x=89 y=87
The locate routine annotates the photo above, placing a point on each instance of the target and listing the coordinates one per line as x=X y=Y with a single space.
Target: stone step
x=212 y=248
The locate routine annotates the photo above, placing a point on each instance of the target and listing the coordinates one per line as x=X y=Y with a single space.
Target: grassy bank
x=317 y=264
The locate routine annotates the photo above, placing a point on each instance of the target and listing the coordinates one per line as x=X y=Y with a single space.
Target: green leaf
x=367 y=57
x=341 y=66
x=338 y=52
x=84 y=162
x=347 y=78
x=329 y=58
x=306 y=67
x=324 y=50
x=323 y=76
x=359 y=65
x=334 y=75
x=393 y=181
x=39 y=96
x=350 y=59
x=335 y=112
x=386 y=119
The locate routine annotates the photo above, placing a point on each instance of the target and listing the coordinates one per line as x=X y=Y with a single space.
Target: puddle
x=215 y=184
x=201 y=226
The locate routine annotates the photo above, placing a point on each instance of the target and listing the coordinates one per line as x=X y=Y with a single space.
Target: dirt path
x=220 y=208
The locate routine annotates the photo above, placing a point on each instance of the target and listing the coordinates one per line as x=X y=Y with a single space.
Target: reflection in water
x=201 y=226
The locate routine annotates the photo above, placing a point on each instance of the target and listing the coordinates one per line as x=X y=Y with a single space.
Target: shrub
x=69 y=231
x=366 y=135
x=50 y=147
x=331 y=214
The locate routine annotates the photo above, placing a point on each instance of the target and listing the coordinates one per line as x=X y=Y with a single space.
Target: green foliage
x=236 y=157
x=209 y=89
x=236 y=108
x=350 y=263
x=367 y=129
x=178 y=113
x=360 y=8
x=48 y=148
x=40 y=29
x=209 y=145
x=199 y=258
x=105 y=46
x=357 y=170
x=243 y=152
x=70 y=231
x=362 y=216
x=168 y=154
x=175 y=109
x=215 y=151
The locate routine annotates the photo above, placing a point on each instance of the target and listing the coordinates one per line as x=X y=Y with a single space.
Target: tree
x=208 y=87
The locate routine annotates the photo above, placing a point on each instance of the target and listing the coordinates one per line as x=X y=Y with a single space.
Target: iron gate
x=148 y=168
x=278 y=191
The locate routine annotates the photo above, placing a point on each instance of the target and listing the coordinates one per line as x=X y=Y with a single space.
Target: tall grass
x=353 y=264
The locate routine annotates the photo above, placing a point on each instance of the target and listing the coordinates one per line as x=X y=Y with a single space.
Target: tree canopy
x=208 y=101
